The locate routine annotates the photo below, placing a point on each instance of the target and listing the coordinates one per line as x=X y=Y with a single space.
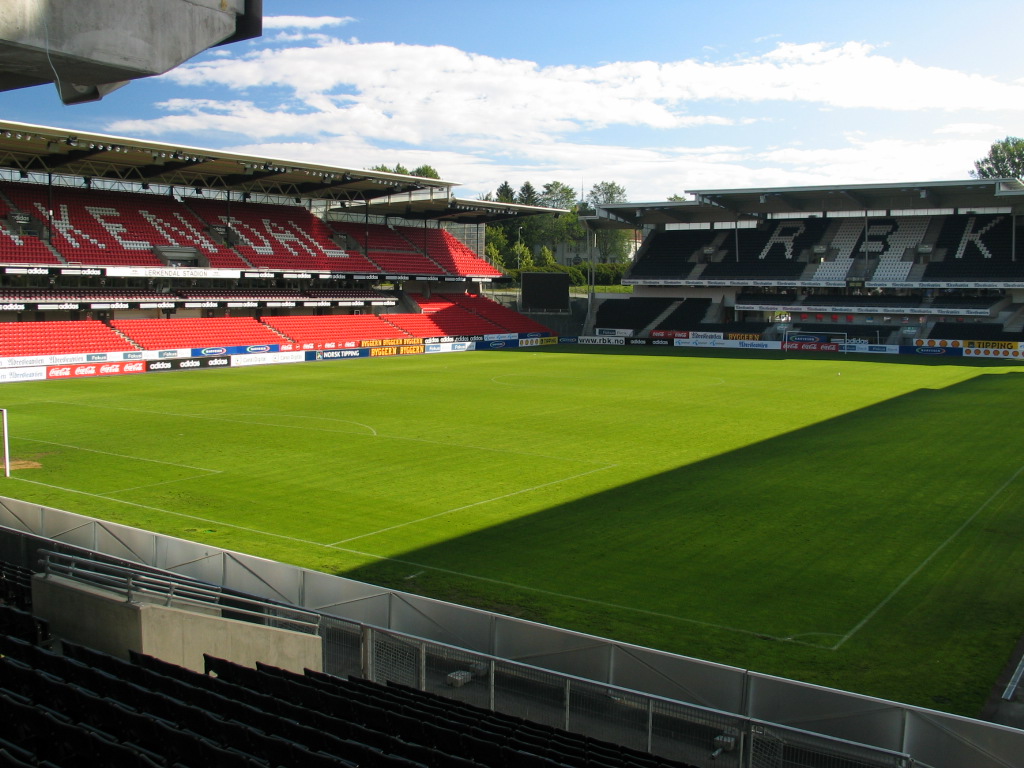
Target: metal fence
x=695 y=735
x=672 y=705
x=175 y=592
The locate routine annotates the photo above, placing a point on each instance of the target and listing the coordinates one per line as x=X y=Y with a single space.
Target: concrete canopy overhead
x=730 y=205
x=40 y=150
x=453 y=209
x=87 y=49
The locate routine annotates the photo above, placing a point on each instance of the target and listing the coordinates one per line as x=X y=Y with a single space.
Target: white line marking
x=860 y=625
x=591 y=601
x=172 y=512
x=117 y=455
x=331 y=431
x=424 y=566
x=367 y=427
x=229 y=421
x=921 y=567
x=495 y=379
x=165 y=482
x=470 y=506
x=487 y=448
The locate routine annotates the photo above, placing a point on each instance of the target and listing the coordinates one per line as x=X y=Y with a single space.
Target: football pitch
x=852 y=522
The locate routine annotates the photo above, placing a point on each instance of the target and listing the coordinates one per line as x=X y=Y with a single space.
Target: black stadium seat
x=148 y=712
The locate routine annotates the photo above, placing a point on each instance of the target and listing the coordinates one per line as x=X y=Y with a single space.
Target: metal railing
x=349 y=610
x=176 y=592
x=696 y=735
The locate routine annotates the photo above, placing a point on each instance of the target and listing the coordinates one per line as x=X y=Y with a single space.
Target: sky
x=660 y=96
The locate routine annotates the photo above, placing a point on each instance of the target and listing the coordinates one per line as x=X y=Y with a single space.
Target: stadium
x=295 y=476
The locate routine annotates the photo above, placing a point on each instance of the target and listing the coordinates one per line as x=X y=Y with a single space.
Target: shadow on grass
x=767 y=354
x=797 y=538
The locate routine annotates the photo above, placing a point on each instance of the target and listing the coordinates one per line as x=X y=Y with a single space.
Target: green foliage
x=604 y=273
x=546 y=257
x=612 y=244
x=424 y=171
x=1005 y=160
x=577 y=276
x=609 y=273
x=605 y=192
x=498 y=237
x=522 y=256
x=536 y=232
x=565 y=228
x=494 y=255
x=555 y=194
x=528 y=195
x=505 y=193
x=399 y=168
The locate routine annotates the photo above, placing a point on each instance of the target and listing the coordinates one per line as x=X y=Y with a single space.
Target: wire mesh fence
x=691 y=734
x=774 y=746
x=696 y=735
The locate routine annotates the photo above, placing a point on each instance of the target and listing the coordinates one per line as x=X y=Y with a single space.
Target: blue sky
x=661 y=97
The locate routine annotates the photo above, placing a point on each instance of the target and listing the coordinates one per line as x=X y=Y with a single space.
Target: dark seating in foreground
x=86 y=708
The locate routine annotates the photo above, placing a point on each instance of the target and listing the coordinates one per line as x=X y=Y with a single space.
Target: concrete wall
x=106 y=622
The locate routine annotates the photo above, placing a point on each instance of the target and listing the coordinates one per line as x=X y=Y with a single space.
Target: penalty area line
x=172 y=512
x=425 y=567
x=166 y=482
x=470 y=506
x=924 y=563
x=118 y=455
x=578 y=599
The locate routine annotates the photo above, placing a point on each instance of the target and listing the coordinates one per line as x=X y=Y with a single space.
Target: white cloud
x=305 y=22
x=233 y=117
x=481 y=119
x=431 y=92
x=989 y=130
x=882 y=160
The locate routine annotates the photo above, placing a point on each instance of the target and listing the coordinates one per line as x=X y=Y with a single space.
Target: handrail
x=174 y=592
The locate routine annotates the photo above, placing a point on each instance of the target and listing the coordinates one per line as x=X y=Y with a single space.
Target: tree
x=546 y=258
x=494 y=255
x=1005 y=160
x=555 y=194
x=426 y=172
x=612 y=244
x=523 y=257
x=498 y=237
x=505 y=193
x=605 y=192
x=564 y=228
x=387 y=169
x=527 y=195
x=676 y=199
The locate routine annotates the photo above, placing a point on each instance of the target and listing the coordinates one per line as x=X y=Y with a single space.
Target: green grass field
x=849 y=522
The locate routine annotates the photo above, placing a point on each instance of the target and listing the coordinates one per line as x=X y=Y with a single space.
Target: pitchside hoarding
x=267 y=358
x=251 y=349
x=94 y=369
x=336 y=354
x=117 y=363
x=189 y=363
